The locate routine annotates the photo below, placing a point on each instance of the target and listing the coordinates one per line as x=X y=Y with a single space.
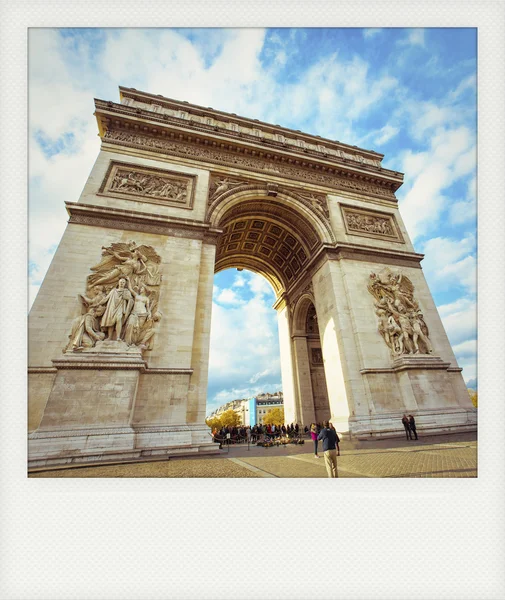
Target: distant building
x=252 y=410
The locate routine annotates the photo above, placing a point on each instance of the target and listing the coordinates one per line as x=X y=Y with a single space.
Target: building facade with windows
x=252 y=410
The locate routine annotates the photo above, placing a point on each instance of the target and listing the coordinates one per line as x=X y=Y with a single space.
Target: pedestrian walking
x=313 y=435
x=406 y=424
x=329 y=438
x=412 y=425
x=338 y=439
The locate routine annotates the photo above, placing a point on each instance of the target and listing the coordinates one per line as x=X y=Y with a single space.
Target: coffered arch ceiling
x=267 y=238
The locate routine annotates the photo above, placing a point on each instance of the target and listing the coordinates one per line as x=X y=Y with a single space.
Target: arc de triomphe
x=119 y=332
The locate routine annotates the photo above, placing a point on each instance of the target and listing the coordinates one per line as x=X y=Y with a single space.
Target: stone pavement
x=435 y=456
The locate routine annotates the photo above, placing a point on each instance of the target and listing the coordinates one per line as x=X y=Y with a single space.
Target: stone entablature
x=232 y=124
x=261 y=161
x=138 y=128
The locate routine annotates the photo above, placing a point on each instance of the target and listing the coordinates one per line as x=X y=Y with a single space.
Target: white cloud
x=228 y=296
x=449 y=263
x=451 y=156
x=415 y=37
x=257 y=376
x=460 y=320
x=467 y=348
x=469 y=82
x=239 y=281
x=386 y=133
x=260 y=286
x=244 y=346
x=464 y=211
x=371 y=32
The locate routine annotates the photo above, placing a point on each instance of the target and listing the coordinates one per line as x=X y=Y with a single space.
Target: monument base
x=88 y=418
x=126 y=444
x=428 y=422
x=414 y=385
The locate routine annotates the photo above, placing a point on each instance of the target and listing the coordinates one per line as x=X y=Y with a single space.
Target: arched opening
x=274 y=236
x=244 y=358
x=312 y=391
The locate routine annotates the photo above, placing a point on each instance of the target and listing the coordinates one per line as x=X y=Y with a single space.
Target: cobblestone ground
x=447 y=456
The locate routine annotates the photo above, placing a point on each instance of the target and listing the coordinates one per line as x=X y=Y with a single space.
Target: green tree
x=274 y=416
x=230 y=418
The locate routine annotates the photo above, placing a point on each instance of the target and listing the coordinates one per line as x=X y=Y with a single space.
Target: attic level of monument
x=201 y=135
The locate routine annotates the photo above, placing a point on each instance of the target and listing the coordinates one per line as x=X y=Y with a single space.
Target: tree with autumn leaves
x=275 y=416
x=227 y=419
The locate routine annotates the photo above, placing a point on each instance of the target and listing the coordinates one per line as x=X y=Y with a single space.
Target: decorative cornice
x=167 y=371
x=198 y=118
x=42 y=370
x=412 y=362
x=100 y=364
x=376 y=255
x=115 y=218
x=258 y=160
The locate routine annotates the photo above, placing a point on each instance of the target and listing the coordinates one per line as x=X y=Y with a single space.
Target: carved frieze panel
x=369 y=223
x=400 y=320
x=156 y=186
x=254 y=163
x=317 y=356
x=120 y=302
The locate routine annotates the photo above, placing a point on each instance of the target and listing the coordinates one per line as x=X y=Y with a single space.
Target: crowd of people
x=319 y=432
x=242 y=433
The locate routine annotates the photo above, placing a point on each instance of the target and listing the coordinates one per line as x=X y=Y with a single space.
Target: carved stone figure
x=86 y=330
x=121 y=298
x=134 y=264
x=400 y=321
x=419 y=329
x=138 y=316
x=119 y=305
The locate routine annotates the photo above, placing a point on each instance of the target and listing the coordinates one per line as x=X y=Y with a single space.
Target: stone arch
x=274 y=236
x=316 y=215
x=301 y=308
x=312 y=401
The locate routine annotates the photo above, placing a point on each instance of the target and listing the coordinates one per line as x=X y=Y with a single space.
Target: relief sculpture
x=133 y=182
x=121 y=299
x=400 y=321
x=369 y=224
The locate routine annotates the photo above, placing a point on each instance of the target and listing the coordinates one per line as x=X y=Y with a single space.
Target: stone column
x=197 y=396
x=303 y=380
x=291 y=410
x=346 y=391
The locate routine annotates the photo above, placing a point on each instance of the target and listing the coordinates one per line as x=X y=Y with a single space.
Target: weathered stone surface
x=314 y=217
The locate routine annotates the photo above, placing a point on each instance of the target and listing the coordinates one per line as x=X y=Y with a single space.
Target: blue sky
x=407 y=93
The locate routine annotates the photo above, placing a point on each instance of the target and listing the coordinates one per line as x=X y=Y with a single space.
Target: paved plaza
x=435 y=456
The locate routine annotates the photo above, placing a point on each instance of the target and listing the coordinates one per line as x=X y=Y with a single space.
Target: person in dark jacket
x=329 y=438
x=406 y=424
x=412 y=425
x=338 y=439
